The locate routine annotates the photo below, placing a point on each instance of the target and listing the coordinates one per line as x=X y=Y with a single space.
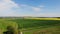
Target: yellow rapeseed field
x=44 y=18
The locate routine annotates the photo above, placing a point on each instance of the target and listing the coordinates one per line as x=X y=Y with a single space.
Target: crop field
x=32 y=25
x=44 y=18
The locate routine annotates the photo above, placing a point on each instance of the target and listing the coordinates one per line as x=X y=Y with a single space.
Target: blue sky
x=35 y=8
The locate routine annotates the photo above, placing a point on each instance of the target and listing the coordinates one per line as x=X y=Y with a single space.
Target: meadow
x=32 y=25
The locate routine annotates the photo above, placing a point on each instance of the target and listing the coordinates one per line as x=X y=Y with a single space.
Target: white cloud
x=6 y=7
x=41 y=6
x=36 y=9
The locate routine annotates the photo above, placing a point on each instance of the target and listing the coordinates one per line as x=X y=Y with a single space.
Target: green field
x=32 y=26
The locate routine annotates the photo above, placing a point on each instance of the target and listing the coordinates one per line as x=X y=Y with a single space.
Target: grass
x=30 y=23
x=29 y=26
x=49 y=30
x=33 y=25
x=4 y=23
